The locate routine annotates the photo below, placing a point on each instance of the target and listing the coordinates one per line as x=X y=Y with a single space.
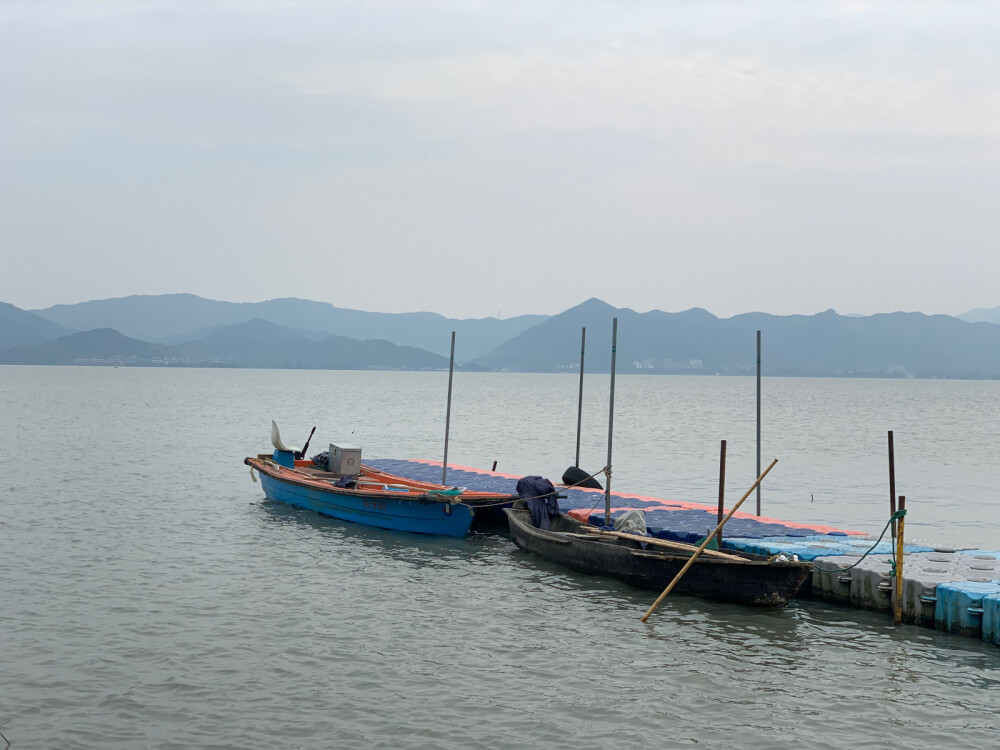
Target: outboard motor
x=577 y=477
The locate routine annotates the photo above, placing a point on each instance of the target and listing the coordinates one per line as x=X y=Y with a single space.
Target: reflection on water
x=415 y=549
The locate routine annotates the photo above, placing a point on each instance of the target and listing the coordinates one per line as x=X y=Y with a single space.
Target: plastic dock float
x=952 y=590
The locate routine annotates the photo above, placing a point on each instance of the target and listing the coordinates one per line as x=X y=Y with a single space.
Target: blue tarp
x=540 y=497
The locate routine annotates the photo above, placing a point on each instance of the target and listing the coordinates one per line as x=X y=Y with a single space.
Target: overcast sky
x=471 y=158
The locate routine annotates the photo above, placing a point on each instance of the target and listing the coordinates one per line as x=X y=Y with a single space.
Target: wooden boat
x=374 y=497
x=722 y=576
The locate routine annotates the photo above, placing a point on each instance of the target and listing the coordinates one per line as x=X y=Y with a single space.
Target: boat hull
x=753 y=582
x=438 y=518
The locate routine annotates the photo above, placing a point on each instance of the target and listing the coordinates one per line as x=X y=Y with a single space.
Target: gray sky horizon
x=476 y=158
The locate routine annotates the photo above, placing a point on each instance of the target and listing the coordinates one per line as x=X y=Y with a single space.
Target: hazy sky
x=520 y=157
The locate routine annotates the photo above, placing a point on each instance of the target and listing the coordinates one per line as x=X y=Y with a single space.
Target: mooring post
x=758 y=420
x=447 y=419
x=611 y=421
x=897 y=614
x=722 y=490
x=579 y=407
x=892 y=483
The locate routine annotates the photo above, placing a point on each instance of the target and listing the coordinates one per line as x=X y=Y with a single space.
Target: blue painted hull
x=442 y=519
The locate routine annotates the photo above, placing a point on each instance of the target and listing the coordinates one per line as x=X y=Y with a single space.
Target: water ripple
x=152 y=599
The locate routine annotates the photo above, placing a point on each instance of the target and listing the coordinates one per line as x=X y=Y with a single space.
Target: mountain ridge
x=24 y=328
x=177 y=318
x=694 y=341
x=255 y=344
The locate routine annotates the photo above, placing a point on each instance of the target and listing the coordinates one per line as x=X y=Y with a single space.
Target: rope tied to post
x=895 y=516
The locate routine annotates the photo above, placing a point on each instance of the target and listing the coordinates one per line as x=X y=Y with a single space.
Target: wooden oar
x=592 y=531
x=704 y=544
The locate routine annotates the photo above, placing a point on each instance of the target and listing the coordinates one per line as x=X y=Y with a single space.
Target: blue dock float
x=959 y=607
x=991 y=619
x=955 y=591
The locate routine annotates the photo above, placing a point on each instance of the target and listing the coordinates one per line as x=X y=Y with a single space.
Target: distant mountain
x=554 y=345
x=695 y=341
x=176 y=318
x=981 y=315
x=22 y=328
x=146 y=317
x=256 y=343
x=259 y=343
x=86 y=347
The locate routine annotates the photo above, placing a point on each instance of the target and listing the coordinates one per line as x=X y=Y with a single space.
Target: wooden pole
x=722 y=488
x=704 y=544
x=611 y=422
x=897 y=614
x=447 y=419
x=892 y=483
x=655 y=542
x=758 y=420
x=579 y=407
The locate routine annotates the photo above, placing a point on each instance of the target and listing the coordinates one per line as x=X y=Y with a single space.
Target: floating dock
x=952 y=590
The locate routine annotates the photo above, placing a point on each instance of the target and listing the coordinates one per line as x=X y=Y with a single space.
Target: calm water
x=150 y=598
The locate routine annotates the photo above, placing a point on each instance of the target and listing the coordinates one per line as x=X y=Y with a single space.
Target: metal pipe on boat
x=722 y=489
x=447 y=419
x=611 y=422
x=892 y=482
x=897 y=613
x=758 y=420
x=704 y=544
x=579 y=407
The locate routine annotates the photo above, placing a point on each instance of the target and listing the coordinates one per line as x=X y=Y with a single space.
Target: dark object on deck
x=322 y=460
x=302 y=453
x=753 y=580
x=577 y=477
x=539 y=495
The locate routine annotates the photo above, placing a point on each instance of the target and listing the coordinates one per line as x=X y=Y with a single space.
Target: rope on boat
x=893 y=517
x=607 y=479
x=252 y=476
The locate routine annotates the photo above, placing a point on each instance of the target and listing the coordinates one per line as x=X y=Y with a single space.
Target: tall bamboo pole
x=892 y=482
x=579 y=407
x=611 y=421
x=722 y=488
x=758 y=420
x=447 y=419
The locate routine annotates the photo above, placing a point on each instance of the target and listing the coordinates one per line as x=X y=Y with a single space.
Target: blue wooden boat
x=369 y=496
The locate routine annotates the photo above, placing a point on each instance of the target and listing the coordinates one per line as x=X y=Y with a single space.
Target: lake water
x=150 y=597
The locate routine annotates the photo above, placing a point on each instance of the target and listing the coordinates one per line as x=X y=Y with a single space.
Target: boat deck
x=954 y=590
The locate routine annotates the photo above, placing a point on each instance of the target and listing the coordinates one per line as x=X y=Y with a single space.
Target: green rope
x=893 y=517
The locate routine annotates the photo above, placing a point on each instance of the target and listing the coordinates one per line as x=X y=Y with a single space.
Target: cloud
x=685 y=151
